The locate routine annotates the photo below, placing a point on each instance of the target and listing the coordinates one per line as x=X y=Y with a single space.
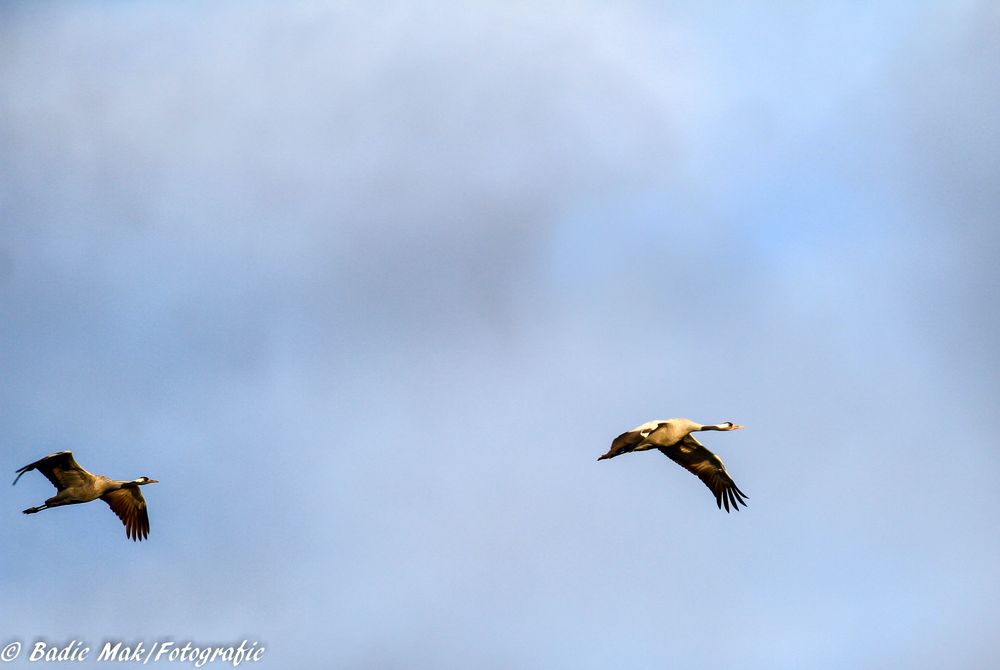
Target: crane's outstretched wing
x=130 y=507
x=631 y=439
x=59 y=468
x=693 y=456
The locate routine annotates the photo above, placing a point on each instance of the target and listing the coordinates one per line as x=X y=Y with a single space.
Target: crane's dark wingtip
x=19 y=473
x=731 y=497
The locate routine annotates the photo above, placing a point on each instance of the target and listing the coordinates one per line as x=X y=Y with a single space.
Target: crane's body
x=74 y=486
x=673 y=438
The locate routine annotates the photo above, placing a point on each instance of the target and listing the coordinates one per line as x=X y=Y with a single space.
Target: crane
x=673 y=437
x=74 y=485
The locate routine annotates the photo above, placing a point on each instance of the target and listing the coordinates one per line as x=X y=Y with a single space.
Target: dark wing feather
x=626 y=442
x=692 y=455
x=629 y=440
x=60 y=468
x=130 y=507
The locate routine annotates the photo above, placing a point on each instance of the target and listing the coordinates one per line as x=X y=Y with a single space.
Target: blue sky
x=369 y=286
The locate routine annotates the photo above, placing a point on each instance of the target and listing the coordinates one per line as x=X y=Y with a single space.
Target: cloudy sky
x=369 y=286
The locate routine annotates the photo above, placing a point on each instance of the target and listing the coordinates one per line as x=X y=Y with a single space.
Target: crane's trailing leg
x=54 y=501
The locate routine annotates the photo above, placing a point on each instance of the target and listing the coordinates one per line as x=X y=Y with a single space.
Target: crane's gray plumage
x=674 y=439
x=75 y=485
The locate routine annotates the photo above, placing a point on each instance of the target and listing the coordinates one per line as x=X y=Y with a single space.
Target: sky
x=368 y=287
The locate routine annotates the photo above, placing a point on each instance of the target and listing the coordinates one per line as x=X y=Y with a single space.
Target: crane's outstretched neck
x=728 y=425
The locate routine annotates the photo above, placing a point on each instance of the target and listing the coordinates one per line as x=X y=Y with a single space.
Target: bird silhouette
x=74 y=485
x=674 y=439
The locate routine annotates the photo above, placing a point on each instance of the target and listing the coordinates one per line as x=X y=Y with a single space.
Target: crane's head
x=729 y=425
x=146 y=480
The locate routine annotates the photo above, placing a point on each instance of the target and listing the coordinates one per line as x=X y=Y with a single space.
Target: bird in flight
x=673 y=437
x=75 y=485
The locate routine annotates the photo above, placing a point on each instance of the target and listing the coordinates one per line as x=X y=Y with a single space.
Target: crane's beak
x=153 y=481
x=603 y=456
x=737 y=427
